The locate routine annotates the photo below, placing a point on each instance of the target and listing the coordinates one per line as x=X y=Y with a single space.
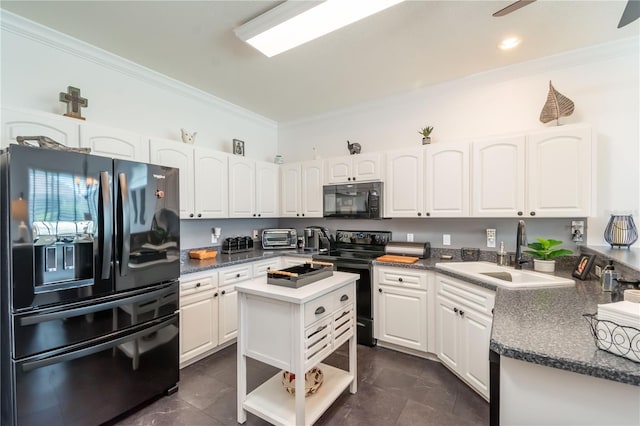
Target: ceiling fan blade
x=631 y=13
x=513 y=7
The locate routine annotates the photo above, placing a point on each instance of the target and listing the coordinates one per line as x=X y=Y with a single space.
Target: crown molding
x=31 y=30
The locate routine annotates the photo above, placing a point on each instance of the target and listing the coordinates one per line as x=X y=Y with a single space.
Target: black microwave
x=354 y=200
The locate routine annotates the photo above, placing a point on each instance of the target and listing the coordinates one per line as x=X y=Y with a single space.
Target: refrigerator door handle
x=124 y=215
x=107 y=224
x=83 y=310
x=80 y=353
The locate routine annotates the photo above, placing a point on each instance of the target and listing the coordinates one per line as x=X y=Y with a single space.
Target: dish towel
x=619 y=329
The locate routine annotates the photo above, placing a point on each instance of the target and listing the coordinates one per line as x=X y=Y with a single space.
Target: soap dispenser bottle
x=608 y=277
x=501 y=256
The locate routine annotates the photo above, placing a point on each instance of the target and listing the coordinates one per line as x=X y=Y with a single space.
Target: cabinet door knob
x=461 y=313
x=297 y=214
x=190 y=214
x=354 y=178
x=344 y=297
x=419 y=214
x=320 y=310
x=215 y=294
x=197 y=284
x=254 y=215
x=238 y=275
x=379 y=290
x=455 y=310
x=259 y=214
x=349 y=179
x=400 y=279
x=519 y=213
x=428 y=214
x=223 y=292
x=532 y=213
x=199 y=214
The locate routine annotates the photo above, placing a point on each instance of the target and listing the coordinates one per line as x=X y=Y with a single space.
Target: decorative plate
x=312 y=381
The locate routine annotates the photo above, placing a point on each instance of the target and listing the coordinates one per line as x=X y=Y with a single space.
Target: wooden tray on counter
x=397 y=259
x=203 y=254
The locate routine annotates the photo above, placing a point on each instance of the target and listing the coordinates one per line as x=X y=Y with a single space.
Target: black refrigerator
x=89 y=293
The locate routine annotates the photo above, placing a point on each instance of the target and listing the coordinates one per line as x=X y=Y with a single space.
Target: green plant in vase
x=544 y=253
x=426 y=132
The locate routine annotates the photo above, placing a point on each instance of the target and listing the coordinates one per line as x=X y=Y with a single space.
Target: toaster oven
x=279 y=238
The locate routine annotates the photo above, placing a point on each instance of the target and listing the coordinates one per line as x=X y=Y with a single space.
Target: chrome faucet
x=521 y=239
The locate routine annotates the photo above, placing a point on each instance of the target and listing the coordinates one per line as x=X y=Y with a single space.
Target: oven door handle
x=80 y=353
x=83 y=310
x=339 y=264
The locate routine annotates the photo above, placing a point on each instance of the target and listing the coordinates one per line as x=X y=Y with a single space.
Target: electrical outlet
x=255 y=234
x=410 y=238
x=598 y=271
x=491 y=238
x=577 y=230
x=213 y=238
x=446 y=239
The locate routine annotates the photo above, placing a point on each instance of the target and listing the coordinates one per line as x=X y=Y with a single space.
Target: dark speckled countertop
x=546 y=326
x=189 y=266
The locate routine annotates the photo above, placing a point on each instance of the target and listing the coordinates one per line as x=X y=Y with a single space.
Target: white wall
x=38 y=63
x=603 y=81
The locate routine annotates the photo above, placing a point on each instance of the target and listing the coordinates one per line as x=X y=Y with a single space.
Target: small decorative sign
x=238 y=147
x=74 y=102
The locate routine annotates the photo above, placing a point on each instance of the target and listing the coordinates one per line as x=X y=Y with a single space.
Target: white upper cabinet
x=179 y=155
x=559 y=172
x=446 y=180
x=499 y=177
x=354 y=168
x=301 y=185
x=541 y=174
x=254 y=188
x=267 y=189
x=242 y=187
x=211 y=183
x=25 y=123
x=114 y=143
x=404 y=184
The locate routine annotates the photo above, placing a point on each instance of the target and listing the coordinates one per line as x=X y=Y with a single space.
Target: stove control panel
x=374 y=238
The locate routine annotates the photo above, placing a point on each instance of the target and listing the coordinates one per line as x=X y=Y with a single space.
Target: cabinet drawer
x=188 y=287
x=402 y=277
x=317 y=341
x=260 y=268
x=475 y=297
x=234 y=275
x=343 y=325
x=343 y=297
x=319 y=308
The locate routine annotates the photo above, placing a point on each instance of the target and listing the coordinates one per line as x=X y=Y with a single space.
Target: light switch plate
x=446 y=239
x=491 y=237
x=410 y=238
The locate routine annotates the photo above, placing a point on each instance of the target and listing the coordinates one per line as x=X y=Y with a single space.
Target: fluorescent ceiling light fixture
x=509 y=43
x=296 y=22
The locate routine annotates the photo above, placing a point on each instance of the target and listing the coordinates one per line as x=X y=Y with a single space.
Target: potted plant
x=544 y=254
x=425 y=132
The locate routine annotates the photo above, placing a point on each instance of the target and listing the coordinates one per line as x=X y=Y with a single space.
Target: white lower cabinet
x=198 y=317
x=400 y=317
x=463 y=330
x=228 y=314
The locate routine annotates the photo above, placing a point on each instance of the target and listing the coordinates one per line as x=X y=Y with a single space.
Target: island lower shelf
x=271 y=401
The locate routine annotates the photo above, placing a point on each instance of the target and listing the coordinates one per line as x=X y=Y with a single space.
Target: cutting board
x=397 y=259
x=203 y=254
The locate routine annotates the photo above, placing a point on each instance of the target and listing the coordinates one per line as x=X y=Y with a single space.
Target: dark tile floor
x=393 y=389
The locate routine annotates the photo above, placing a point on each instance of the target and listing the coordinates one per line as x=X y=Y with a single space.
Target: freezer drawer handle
x=83 y=310
x=32 y=365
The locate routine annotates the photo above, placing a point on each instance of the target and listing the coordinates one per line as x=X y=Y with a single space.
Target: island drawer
x=317 y=342
x=319 y=308
x=343 y=325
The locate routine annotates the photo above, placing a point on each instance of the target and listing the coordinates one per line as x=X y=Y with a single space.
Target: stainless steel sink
x=503 y=276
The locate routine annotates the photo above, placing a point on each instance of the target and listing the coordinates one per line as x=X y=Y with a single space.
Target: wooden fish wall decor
x=557 y=106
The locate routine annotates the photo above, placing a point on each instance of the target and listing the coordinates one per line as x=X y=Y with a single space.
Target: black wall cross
x=74 y=102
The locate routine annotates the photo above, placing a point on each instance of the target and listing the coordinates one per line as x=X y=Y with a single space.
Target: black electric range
x=354 y=252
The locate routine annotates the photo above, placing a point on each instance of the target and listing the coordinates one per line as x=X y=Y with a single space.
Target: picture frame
x=583 y=267
x=238 y=147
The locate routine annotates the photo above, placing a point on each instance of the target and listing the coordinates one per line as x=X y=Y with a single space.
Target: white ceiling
x=409 y=46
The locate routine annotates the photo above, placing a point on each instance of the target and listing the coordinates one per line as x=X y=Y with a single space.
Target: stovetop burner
x=357 y=246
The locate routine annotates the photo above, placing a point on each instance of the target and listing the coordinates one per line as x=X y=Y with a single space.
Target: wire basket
x=617 y=339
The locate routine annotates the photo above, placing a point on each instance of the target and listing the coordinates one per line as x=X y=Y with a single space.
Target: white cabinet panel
x=404 y=186
x=476 y=333
x=26 y=123
x=499 y=177
x=228 y=326
x=447 y=347
x=114 y=143
x=291 y=181
x=267 y=189
x=175 y=154
x=447 y=180
x=312 y=178
x=211 y=184
x=242 y=187
x=402 y=316
x=354 y=168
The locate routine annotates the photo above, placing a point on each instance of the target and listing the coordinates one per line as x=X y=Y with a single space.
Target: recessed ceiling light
x=509 y=43
x=293 y=23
